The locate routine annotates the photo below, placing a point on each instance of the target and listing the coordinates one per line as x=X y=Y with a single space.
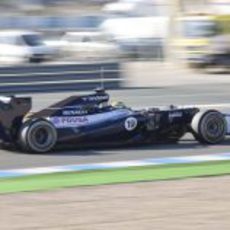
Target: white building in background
x=220 y=6
x=192 y=5
x=208 y=6
x=137 y=8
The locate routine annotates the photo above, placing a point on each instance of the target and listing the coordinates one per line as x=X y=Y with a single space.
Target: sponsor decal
x=74 y=112
x=130 y=123
x=73 y=121
x=173 y=115
x=55 y=120
x=96 y=98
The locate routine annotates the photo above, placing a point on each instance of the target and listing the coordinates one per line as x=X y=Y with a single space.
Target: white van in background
x=139 y=27
x=90 y=45
x=138 y=36
x=24 y=47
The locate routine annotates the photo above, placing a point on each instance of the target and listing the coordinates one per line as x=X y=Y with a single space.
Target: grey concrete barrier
x=59 y=77
x=51 y=23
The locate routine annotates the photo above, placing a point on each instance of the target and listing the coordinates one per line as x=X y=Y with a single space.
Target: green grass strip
x=126 y=175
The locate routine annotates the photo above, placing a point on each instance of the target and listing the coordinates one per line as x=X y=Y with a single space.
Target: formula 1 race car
x=89 y=120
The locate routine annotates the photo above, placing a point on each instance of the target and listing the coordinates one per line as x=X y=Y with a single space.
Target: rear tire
x=209 y=127
x=38 y=136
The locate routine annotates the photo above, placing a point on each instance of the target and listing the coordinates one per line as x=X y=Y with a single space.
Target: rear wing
x=12 y=111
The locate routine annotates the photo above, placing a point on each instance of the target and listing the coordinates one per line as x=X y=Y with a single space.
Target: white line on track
x=115 y=165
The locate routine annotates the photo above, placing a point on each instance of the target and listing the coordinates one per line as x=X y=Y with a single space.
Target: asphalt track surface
x=208 y=95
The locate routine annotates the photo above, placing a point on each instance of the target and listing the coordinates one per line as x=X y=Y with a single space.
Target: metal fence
x=47 y=78
x=87 y=22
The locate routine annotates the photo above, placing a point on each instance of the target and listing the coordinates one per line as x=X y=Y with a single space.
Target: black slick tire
x=37 y=136
x=209 y=127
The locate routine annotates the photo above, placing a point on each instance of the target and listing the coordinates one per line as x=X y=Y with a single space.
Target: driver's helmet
x=104 y=104
x=118 y=104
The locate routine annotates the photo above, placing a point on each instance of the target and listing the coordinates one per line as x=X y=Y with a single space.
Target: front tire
x=38 y=136
x=209 y=127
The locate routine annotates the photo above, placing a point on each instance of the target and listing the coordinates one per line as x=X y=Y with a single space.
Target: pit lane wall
x=59 y=77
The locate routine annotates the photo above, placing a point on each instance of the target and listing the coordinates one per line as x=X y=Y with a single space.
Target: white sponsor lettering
x=130 y=123
x=74 y=112
x=175 y=114
x=73 y=121
x=96 y=98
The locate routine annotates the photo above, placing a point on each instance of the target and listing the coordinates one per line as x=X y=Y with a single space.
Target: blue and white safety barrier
x=114 y=165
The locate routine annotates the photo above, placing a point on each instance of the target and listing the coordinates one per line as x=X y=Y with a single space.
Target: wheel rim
x=214 y=129
x=42 y=138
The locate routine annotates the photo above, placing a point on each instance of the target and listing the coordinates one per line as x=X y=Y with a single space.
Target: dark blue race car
x=90 y=120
